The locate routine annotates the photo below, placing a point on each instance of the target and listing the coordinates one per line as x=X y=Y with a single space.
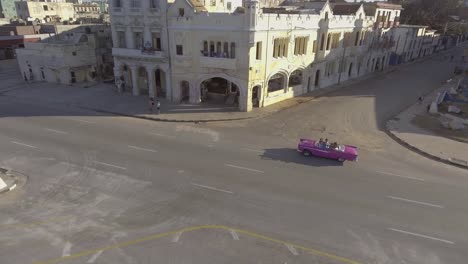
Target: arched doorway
x=184 y=91
x=143 y=84
x=219 y=90
x=256 y=93
x=160 y=82
x=317 y=78
x=350 y=71
x=295 y=78
x=277 y=82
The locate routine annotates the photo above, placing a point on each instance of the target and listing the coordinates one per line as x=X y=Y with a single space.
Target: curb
x=169 y=120
x=423 y=153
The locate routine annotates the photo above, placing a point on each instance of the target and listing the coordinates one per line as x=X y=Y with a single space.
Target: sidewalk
x=104 y=99
x=426 y=142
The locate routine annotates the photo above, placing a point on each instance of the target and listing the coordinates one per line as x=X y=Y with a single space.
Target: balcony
x=136 y=53
x=217 y=62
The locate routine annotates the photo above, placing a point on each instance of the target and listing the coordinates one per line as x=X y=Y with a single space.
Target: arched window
x=328 y=41
x=295 y=78
x=277 y=82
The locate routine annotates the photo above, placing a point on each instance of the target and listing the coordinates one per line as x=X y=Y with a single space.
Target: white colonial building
x=244 y=54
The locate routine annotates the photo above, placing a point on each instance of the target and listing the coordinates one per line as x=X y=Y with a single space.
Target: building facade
x=45 y=11
x=245 y=55
x=70 y=57
x=7 y=9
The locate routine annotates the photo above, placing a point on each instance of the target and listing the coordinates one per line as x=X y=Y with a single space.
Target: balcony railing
x=218 y=62
x=137 y=53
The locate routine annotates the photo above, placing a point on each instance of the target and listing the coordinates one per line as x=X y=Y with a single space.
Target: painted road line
x=292 y=249
x=55 y=131
x=81 y=120
x=94 y=257
x=416 y=202
x=161 y=135
x=423 y=236
x=144 y=149
x=243 y=168
x=22 y=144
x=140 y=240
x=260 y=151
x=401 y=176
x=110 y=165
x=176 y=237
x=234 y=235
x=66 y=249
x=212 y=188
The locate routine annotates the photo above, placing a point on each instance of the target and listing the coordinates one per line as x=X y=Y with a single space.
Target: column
x=136 y=89
x=151 y=81
x=129 y=38
x=168 y=85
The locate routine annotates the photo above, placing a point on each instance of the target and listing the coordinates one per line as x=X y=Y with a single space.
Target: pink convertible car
x=341 y=153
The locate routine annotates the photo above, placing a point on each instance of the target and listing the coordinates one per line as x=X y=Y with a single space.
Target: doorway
x=256 y=96
x=317 y=78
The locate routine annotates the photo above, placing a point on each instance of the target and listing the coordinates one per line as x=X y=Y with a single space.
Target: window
x=335 y=42
x=121 y=39
x=212 y=49
x=74 y=53
x=154 y=3
x=300 y=45
x=219 y=52
x=258 y=54
x=229 y=5
x=138 y=40
x=205 y=48
x=181 y=12
x=73 y=77
x=329 y=41
x=46 y=8
x=226 y=50
x=135 y=3
x=233 y=50
x=156 y=40
x=356 y=41
x=179 y=50
x=280 y=48
x=322 y=41
x=213 y=2
x=314 y=46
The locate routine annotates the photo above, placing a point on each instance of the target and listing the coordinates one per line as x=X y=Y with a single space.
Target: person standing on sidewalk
x=421 y=99
x=158 y=106
x=151 y=104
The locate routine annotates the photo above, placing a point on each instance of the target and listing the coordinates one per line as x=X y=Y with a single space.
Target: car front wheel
x=306 y=153
x=341 y=159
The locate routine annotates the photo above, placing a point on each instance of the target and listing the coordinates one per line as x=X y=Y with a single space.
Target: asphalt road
x=105 y=189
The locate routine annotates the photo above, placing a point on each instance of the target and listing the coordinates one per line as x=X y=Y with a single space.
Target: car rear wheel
x=306 y=153
x=341 y=159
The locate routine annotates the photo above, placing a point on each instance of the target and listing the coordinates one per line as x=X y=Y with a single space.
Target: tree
x=432 y=13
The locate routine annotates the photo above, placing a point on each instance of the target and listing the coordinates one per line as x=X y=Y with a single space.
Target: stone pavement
x=103 y=98
x=424 y=141
x=7 y=181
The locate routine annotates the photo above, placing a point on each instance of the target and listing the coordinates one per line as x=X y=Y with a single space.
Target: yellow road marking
x=196 y=228
x=32 y=224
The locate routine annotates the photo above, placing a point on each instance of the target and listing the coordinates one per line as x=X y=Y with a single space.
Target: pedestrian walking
x=421 y=99
x=151 y=104
x=158 y=106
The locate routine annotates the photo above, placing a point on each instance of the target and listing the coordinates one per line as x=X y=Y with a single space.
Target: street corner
x=10 y=180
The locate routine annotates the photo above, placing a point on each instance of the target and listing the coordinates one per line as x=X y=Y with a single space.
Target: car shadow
x=290 y=155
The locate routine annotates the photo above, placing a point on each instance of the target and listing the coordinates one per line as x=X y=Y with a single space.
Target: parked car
x=309 y=147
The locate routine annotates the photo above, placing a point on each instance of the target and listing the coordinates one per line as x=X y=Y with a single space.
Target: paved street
x=106 y=189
